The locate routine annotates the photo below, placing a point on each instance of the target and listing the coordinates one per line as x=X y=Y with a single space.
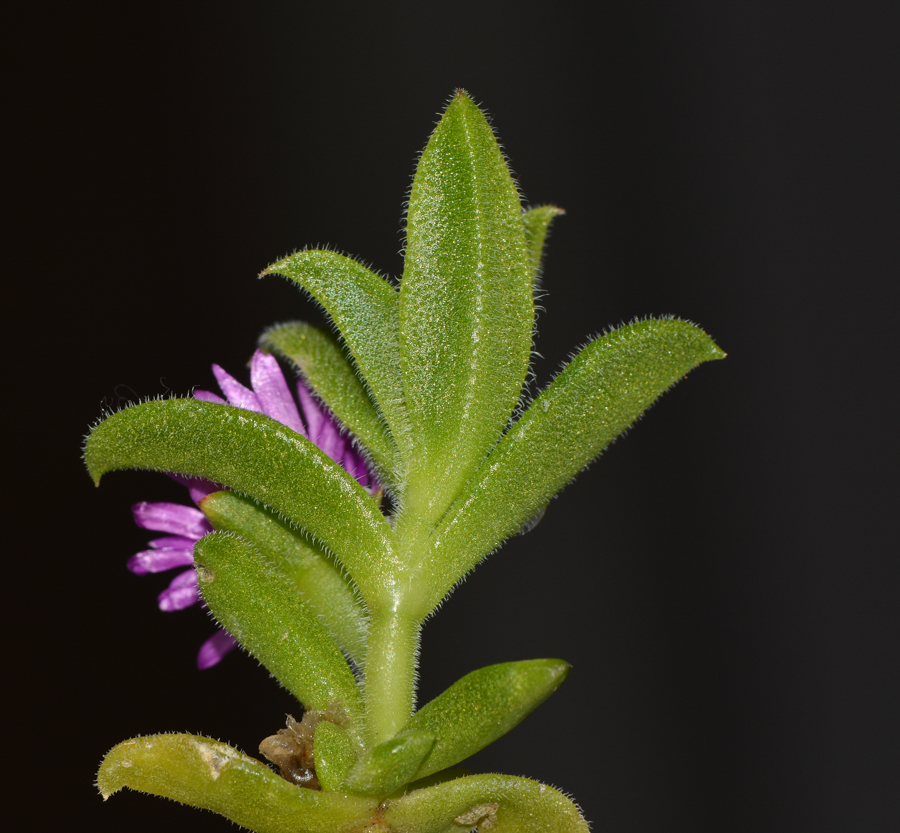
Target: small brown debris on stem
x=291 y=749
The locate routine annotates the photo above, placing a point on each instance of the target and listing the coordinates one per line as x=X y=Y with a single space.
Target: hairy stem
x=390 y=672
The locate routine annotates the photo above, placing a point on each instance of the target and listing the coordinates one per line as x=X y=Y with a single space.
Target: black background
x=723 y=581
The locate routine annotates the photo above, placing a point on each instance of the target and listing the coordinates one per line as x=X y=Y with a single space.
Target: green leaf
x=537 y=222
x=311 y=570
x=363 y=307
x=258 y=457
x=260 y=607
x=466 y=303
x=334 y=755
x=213 y=776
x=499 y=803
x=598 y=395
x=322 y=361
x=389 y=765
x=483 y=706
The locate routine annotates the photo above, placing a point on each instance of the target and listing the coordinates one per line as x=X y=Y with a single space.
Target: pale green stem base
x=390 y=673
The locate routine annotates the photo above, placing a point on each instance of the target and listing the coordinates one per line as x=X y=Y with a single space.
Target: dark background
x=724 y=581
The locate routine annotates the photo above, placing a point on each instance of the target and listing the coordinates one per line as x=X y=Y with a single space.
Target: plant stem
x=390 y=673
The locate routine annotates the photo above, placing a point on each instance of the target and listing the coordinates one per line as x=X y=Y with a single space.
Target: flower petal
x=171 y=517
x=313 y=413
x=323 y=430
x=273 y=393
x=209 y=396
x=235 y=392
x=177 y=542
x=214 y=649
x=181 y=593
x=198 y=487
x=159 y=560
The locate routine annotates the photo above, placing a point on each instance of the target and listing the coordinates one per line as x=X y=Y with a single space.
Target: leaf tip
x=274 y=268
x=554 y=210
x=112 y=775
x=559 y=668
x=461 y=100
x=94 y=469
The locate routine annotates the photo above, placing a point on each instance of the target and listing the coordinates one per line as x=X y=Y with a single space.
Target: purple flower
x=185 y=525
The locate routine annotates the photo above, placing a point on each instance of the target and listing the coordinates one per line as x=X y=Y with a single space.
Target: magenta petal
x=323 y=430
x=209 y=396
x=235 y=392
x=186 y=579
x=198 y=487
x=273 y=393
x=158 y=560
x=214 y=649
x=355 y=464
x=332 y=441
x=171 y=517
x=204 y=489
x=176 y=542
x=313 y=414
x=181 y=593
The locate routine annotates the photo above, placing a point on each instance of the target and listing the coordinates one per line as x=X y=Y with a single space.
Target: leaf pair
x=469 y=715
x=441 y=362
x=311 y=571
x=260 y=607
x=474 y=712
x=260 y=459
x=211 y=775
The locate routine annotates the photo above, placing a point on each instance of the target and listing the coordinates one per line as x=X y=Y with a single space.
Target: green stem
x=390 y=673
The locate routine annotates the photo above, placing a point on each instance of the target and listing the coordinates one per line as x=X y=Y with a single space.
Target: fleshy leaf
x=363 y=307
x=258 y=457
x=598 y=395
x=389 y=765
x=466 y=303
x=213 y=776
x=537 y=222
x=483 y=706
x=499 y=803
x=260 y=607
x=311 y=570
x=334 y=755
x=330 y=374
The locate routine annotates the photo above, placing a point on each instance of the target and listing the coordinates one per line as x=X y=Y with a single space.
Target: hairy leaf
x=537 y=222
x=258 y=457
x=311 y=570
x=363 y=307
x=389 y=765
x=213 y=776
x=260 y=607
x=483 y=706
x=499 y=803
x=320 y=359
x=601 y=392
x=334 y=755
x=466 y=302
